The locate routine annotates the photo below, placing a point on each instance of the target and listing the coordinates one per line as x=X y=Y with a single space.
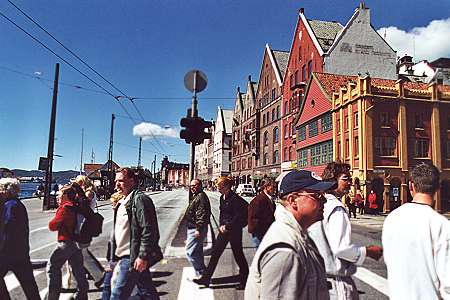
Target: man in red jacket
x=64 y=222
x=261 y=211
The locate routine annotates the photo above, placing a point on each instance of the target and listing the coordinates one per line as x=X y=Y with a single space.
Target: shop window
x=385 y=146
x=421 y=148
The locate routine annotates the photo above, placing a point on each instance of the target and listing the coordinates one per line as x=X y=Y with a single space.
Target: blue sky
x=145 y=48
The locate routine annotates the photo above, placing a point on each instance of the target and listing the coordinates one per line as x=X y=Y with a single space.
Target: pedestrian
x=287 y=264
x=261 y=211
x=14 y=240
x=109 y=267
x=332 y=236
x=136 y=237
x=416 y=242
x=359 y=200
x=373 y=206
x=232 y=218
x=66 y=249
x=351 y=205
x=197 y=217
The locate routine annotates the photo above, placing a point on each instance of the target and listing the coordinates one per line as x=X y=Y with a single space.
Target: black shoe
x=202 y=281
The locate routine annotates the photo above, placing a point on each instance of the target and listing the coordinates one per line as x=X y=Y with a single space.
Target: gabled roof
x=443 y=62
x=325 y=32
x=281 y=59
x=224 y=120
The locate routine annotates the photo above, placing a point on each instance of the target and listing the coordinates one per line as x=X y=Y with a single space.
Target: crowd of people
x=302 y=238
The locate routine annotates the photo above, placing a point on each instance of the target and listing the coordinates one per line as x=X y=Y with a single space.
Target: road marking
x=12 y=282
x=376 y=281
x=38 y=229
x=190 y=290
x=54 y=243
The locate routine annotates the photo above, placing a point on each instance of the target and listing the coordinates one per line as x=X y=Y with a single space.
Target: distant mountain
x=60 y=176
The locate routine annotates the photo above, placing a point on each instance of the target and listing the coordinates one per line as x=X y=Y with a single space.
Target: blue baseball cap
x=304 y=180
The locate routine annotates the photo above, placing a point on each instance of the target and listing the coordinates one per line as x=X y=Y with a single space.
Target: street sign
x=43 y=163
x=195 y=81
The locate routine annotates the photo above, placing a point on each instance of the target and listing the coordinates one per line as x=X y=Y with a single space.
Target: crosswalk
x=191 y=291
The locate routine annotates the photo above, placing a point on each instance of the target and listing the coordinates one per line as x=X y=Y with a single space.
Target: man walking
x=287 y=265
x=416 y=242
x=136 y=235
x=261 y=211
x=197 y=218
x=14 y=240
x=233 y=217
x=332 y=236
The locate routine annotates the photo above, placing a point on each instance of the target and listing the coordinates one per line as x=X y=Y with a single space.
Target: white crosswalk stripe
x=190 y=290
x=376 y=281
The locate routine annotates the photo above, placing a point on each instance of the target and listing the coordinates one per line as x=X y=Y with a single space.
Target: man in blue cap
x=287 y=264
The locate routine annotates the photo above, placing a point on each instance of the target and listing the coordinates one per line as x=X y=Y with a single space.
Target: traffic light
x=194 y=131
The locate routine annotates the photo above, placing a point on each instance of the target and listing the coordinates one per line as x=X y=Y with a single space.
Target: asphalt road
x=170 y=276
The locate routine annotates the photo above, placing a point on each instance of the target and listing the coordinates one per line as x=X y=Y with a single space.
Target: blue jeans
x=66 y=251
x=194 y=249
x=106 y=290
x=128 y=278
x=256 y=240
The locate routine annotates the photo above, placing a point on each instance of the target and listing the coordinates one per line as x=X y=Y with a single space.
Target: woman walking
x=64 y=222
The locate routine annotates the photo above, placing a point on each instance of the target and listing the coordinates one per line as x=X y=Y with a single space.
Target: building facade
x=383 y=128
x=222 y=143
x=268 y=100
x=245 y=135
x=174 y=174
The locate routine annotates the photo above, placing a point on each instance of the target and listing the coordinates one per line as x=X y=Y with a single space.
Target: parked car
x=167 y=188
x=245 y=189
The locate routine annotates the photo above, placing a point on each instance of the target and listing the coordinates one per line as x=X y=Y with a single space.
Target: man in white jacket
x=333 y=237
x=416 y=241
x=287 y=264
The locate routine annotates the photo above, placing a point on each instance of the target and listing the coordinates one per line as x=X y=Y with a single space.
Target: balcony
x=296 y=85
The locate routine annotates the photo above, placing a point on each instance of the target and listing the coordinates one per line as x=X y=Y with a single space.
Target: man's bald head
x=196 y=186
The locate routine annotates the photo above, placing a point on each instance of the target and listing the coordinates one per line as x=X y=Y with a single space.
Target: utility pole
x=110 y=157
x=51 y=144
x=82 y=145
x=140 y=151
x=154 y=173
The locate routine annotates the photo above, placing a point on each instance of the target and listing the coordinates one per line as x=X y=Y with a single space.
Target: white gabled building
x=203 y=159
x=222 y=143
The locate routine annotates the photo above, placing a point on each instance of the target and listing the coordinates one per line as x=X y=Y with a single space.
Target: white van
x=245 y=189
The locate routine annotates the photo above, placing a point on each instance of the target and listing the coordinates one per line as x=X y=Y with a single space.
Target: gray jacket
x=287 y=264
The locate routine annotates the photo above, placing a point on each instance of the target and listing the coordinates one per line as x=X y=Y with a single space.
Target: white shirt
x=122 y=229
x=416 y=242
x=332 y=236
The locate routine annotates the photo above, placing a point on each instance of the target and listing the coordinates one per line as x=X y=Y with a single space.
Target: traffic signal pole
x=193 y=115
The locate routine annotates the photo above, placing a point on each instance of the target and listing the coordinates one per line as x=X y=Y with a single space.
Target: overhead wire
x=67 y=62
x=88 y=66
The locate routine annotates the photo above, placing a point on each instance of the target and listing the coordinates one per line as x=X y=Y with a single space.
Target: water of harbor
x=27 y=189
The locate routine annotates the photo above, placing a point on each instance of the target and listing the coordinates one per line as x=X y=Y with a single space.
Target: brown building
x=269 y=98
x=245 y=134
x=174 y=174
x=383 y=128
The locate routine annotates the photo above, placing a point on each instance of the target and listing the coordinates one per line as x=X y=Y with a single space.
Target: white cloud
x=430 y=42
x=148 y=130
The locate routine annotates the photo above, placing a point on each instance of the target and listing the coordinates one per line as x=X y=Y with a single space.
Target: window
x=285 y=154
x=266 y=159
x=338 y=125
x=300 y=53
x=421 y=148
x=310 y=68
x=266 y=138
x=355 y=120
x=273 y=96
x=267 y=117
x=356 y=146
x=418 y=120
x=275 y=157
x=304 y=73
x=276 y=135
x=347 y=148
x=325 y=123
x=244 y=164
x=313 y=130
x=385 y=119
x=290 y=129
x=296 y=77
x=286 y=108
x=290 y=153
x=286 y=132
x=302 y=133
x=273 y=114
x=264 y=119
x=346 y=123
x=290 y=105
x=385 y=146
x=302 y=158
x=249 y=162
x=315 y=155
x=232 y=166
x=278 y=112
x=327 y=152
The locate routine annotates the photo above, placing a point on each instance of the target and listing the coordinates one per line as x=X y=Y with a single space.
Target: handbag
x=155 y=256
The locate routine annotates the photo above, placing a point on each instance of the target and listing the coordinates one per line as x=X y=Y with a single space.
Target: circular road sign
x=195 y=81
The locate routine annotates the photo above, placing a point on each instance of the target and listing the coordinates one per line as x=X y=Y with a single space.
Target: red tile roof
x=332 y=82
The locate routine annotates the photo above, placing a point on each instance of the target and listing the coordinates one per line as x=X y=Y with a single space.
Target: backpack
x=91 y=226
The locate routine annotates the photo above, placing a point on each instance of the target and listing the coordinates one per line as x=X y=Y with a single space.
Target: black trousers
x=235 y=239
x=23 y=270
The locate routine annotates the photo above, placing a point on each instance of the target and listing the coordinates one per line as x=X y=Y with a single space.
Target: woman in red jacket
x=64 y=222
